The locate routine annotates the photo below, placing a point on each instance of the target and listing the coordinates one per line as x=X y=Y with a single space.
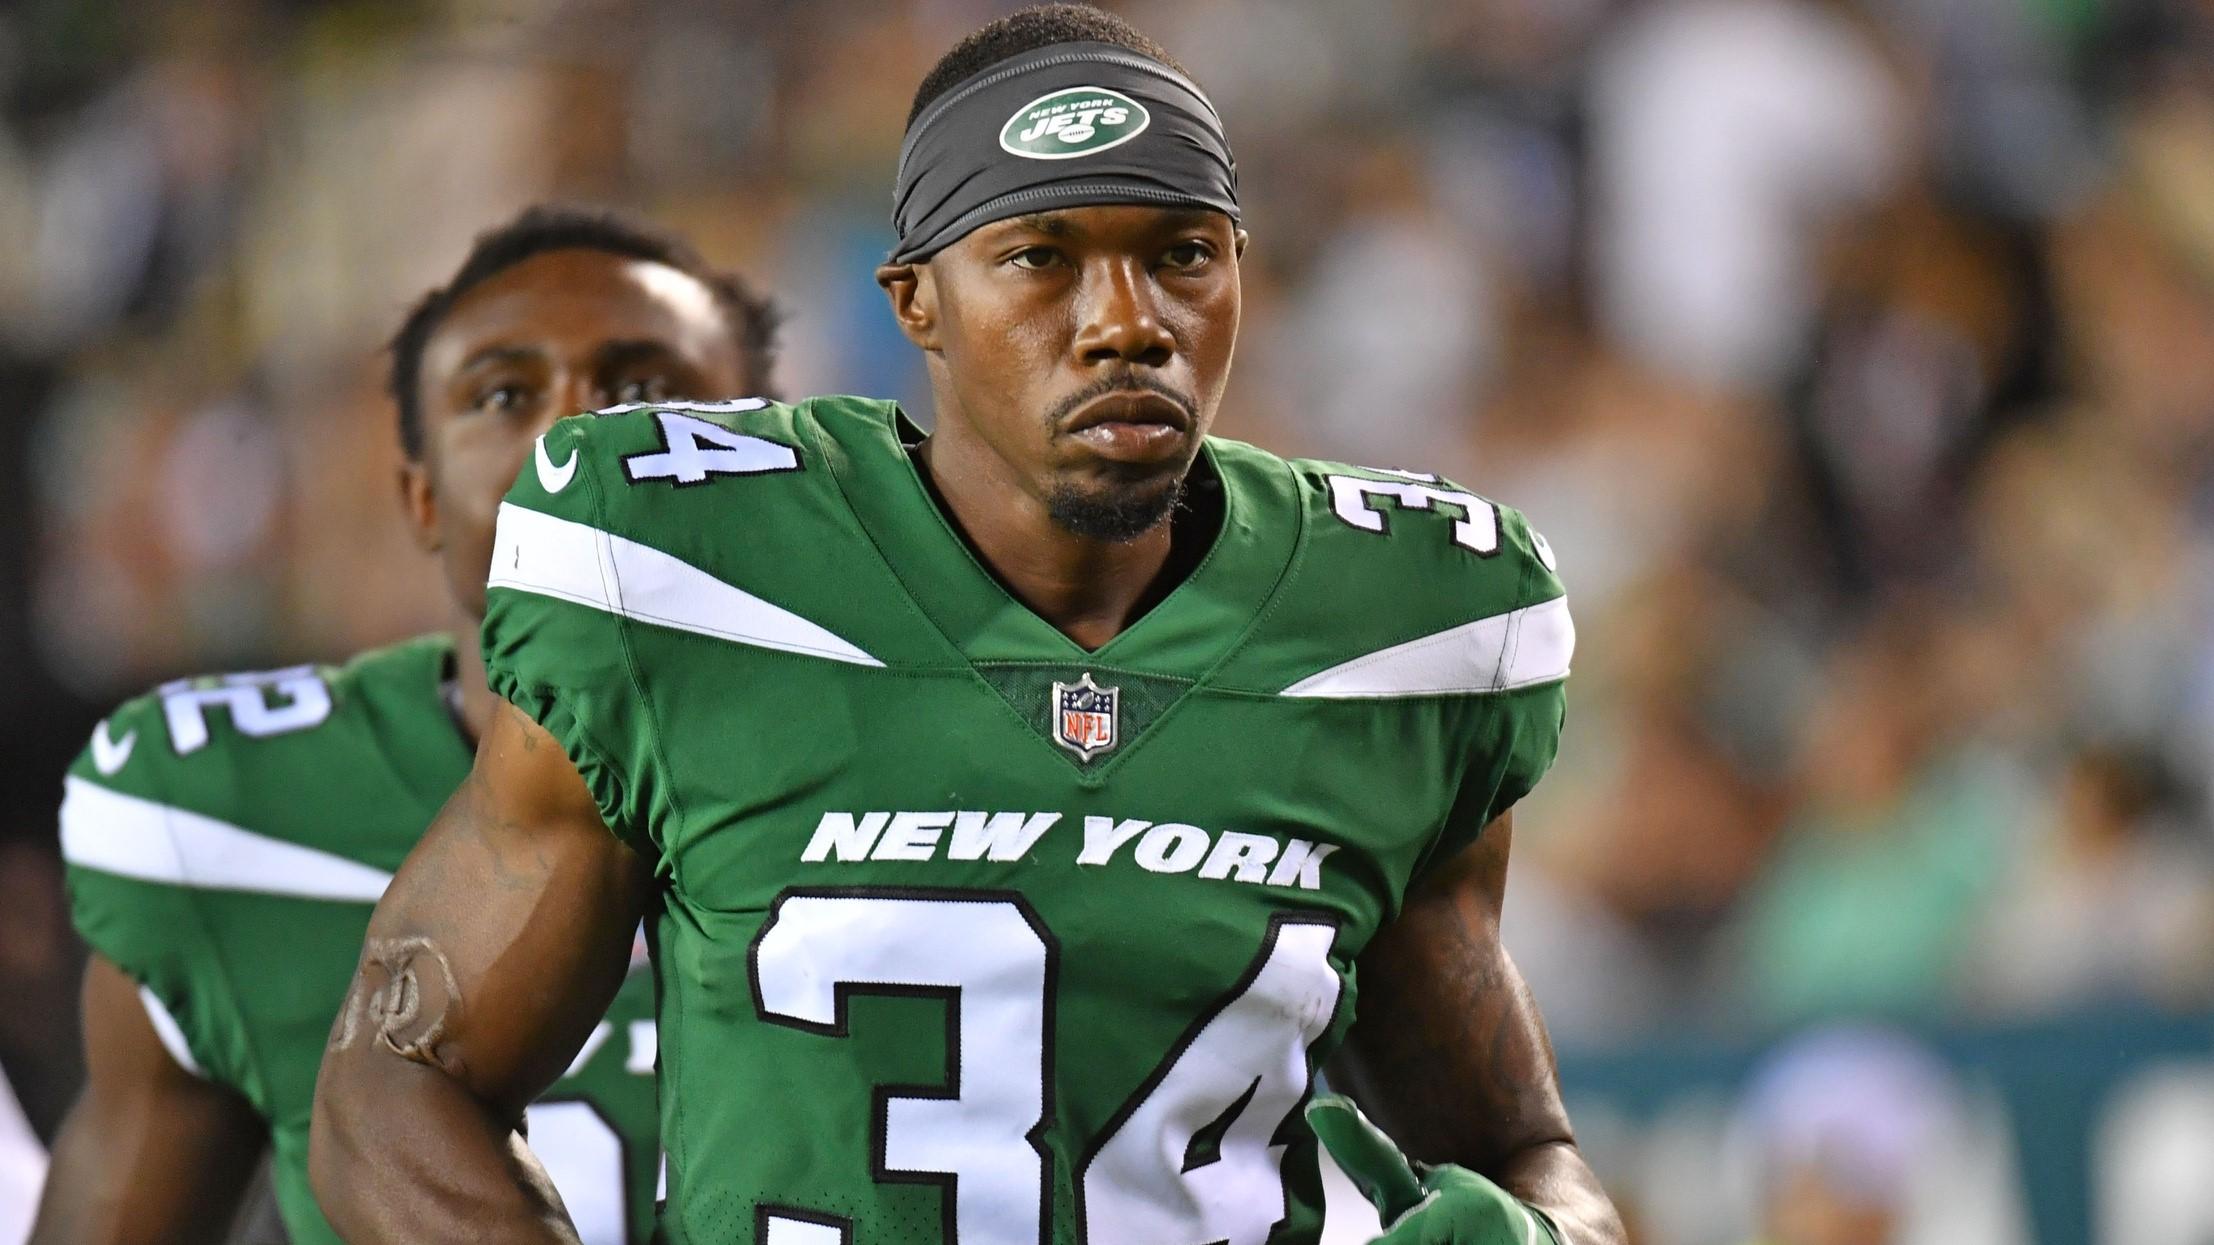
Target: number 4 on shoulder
x=696 y=451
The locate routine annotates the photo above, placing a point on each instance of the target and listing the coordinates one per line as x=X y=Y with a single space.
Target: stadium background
x=1857 y=356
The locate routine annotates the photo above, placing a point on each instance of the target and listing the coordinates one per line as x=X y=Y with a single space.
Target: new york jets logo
x=1078 y=121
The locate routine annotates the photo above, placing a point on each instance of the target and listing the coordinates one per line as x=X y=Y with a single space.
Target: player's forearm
x=500 y=941
x=1450 y=1053
x=1477 y=1086
x=402 y=1152
x=116 y=1180
x=1506 y=1118
x=149 y=1152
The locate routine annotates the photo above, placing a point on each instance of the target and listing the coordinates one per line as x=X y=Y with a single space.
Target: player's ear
x=914 y=299
x=1242 y=238
x=419 y=502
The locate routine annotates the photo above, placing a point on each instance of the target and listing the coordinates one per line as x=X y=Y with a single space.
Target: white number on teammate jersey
x=698 y=451
x=274 y=702
x=1354 y=499
x=583 y=1154
x=1187 y=1161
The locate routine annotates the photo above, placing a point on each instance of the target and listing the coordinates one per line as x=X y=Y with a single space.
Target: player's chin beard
x=1116 y=515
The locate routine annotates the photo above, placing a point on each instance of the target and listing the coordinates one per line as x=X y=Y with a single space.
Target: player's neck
x=478 y=702
x=1089 y=590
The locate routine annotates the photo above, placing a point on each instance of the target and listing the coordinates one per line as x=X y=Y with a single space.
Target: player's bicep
x=507 y=931
x=151 y=1151
x=1448 y=1050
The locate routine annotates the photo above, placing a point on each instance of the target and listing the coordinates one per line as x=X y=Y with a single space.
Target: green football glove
x=1442 y=1205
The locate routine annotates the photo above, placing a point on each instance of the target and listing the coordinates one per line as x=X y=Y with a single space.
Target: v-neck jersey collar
x=1186 y=634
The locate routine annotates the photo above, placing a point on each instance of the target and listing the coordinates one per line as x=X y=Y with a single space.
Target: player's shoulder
x=311 y=755
x=702 y=517
x=657 y=449
x=1403 y=583
x=696 y=480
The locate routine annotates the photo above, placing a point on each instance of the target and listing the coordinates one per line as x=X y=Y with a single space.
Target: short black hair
x=548 y=227
x=1023 y=30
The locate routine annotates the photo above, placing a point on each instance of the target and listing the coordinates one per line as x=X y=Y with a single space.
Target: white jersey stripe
x=139 y=838
x=575 y=562
x=169 y=1031
x=1521 y=648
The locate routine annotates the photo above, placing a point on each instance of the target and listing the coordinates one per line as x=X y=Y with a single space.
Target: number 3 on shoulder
x=1355 y=499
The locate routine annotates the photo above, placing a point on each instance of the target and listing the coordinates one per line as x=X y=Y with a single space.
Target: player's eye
x=641 y=389
x=1188 y=255
x=501 y=398
x=1035 y=257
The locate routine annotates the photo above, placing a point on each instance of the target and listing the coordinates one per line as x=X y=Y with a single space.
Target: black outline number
x=622 y=1148
x=1235 y=1099
x=1152 y=1083
x=949 y=1088
x=1414 y=492
x=701 y=437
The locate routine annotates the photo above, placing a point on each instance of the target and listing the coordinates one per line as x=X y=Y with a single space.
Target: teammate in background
x=1012 y=805
x=227 y=837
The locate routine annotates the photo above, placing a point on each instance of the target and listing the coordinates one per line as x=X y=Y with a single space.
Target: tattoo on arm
x=407 y=998
x=1450 y=1050
x=491 y=956
x=1480 y=1033
x=530 y=736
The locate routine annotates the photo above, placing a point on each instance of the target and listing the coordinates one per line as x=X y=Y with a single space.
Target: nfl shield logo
x=1084 y=717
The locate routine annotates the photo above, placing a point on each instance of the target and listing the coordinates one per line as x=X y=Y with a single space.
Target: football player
x=1019 y=808
x=226 y=837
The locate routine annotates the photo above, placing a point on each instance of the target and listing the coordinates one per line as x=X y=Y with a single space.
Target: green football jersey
x=226 y=840
x=969 y=934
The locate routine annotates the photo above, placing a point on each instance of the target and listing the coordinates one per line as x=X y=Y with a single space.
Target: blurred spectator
x=1390 y=335
x=2108 y=900
x=2156 y=1148
x=1900 y=838
x=1726 y=134
x=1858 y=1136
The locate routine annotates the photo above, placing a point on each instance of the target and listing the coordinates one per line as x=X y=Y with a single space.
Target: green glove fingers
x=1444 y=1205
x=1461 y=1207
x=1366 y=1156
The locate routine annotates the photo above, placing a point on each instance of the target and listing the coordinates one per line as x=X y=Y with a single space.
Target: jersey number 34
x=1188 y=1160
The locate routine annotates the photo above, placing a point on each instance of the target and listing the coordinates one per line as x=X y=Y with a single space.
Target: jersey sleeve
x=1516 y=727
x=126 y=872
x=554 y=639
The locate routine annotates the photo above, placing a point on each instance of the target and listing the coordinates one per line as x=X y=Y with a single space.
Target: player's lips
x=1131 y=425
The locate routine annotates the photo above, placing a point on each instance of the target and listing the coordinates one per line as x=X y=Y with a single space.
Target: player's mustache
x=1122 y=382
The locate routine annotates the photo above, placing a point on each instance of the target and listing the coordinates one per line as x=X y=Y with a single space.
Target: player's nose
x=572 y=395
x=1119 y=316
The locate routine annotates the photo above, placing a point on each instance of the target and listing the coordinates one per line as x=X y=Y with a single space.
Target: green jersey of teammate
x=226 y=839
x=968 y=933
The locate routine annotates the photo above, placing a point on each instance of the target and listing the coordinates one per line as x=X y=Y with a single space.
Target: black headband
x=1068 y=125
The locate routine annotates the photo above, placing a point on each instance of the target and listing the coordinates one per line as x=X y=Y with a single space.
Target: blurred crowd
x=1856 y=356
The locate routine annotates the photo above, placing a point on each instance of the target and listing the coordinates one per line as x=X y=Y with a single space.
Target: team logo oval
x=1078 y=121
x=1085 y=720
